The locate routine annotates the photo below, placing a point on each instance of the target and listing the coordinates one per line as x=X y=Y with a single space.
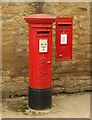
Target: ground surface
x=64 y=106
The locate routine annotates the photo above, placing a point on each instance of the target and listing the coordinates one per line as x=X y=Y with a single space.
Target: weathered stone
x=81 y=17
x=84 y=39
x=78 y=9
x=81 y=32
x=76 y=36
x=72 y=89
x=84 y=88
x=58 y=89
x=5 y=79
x=85 y=25
x=65 y=11
x=10 y=25
x=70 y=82
x=75 y=41
x=75 y=24
x=58 y=82
x=68 y=76
x=89 y=82
x=9 y=11
x=89 y=56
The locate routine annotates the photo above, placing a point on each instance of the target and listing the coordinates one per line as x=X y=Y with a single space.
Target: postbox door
x=42 y=63
x=64 y=45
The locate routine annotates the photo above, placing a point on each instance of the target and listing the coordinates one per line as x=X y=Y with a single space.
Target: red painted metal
x=64 y=27
x=40 y=63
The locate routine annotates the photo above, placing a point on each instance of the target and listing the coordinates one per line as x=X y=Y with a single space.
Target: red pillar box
x=40 y=60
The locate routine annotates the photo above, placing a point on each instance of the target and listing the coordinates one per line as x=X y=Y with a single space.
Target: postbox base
x=40 y=98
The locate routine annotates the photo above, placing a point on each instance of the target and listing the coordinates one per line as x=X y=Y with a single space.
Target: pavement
x=63 y=106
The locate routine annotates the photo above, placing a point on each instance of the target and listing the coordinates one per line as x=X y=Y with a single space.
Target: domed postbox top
x=39 y=18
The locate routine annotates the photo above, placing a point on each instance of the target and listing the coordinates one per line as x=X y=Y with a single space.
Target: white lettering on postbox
x=43 y=45
x=63 y=39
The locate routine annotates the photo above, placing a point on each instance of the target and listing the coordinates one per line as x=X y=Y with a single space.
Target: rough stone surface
x=68 y=76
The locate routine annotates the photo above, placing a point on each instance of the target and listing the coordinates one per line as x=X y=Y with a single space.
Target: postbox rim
x=39 y=18
x=64 y=20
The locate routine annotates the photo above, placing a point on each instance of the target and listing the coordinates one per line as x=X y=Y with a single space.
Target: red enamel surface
x=40 y=64
x=64 y=25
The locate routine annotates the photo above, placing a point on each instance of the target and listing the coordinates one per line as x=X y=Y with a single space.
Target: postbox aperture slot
x=64 y=24
x=43 y=45
x=42 y=32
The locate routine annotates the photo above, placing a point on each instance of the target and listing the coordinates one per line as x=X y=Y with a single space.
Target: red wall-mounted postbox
x=64 y=38
x=40 y=60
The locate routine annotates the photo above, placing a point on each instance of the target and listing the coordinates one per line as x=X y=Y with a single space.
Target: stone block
x=72 y=89
x=84 y=39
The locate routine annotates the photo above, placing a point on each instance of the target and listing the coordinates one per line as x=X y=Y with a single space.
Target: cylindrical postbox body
x=40 y=61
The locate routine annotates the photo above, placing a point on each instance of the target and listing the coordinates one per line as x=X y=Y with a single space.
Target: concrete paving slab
x=64 y=106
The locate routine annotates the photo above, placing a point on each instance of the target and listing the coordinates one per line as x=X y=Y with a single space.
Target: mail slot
x=42 y=32
x=40 y=61
x=64 y=38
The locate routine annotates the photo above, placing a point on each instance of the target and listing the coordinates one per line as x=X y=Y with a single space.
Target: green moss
x=18 y=105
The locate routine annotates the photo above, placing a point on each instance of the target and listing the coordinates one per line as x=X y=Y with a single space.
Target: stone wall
x=68 y=76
